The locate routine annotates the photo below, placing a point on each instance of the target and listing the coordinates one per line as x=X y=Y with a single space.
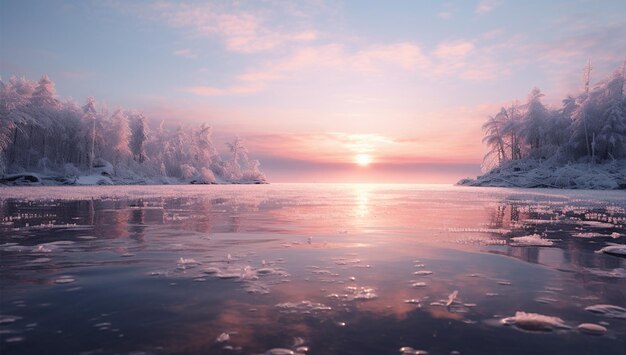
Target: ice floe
x=422 y=272
x=452 y=297
x=532 y=240
x=608 y=310
x=617 y=273
x=614 y=249
x=407 y=350
x=302 y=307
x=592 y=328
x=223 y=337
x=6 y=319
x=65 y=279
x=596 y=235
x=298 y=348
x=186 y=263
x=535 y=322
x=355 y=293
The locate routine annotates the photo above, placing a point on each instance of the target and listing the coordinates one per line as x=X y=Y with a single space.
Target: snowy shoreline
x=35 y=179
x=542 y=174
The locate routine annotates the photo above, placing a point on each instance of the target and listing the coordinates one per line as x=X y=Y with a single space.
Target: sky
x=345 y=91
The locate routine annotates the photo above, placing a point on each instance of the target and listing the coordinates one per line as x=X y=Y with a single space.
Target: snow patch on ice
x=614 y=249
x=532 y=240
x=592 y=329
x=302 y=307
x=535 y=322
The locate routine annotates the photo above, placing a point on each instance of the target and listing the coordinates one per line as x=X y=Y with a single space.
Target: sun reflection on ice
x=362 y=196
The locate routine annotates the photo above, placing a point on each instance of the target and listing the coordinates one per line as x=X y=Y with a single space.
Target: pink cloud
x=486 y=6
x=185 y=53
x=453 y=50
x=405 y=55
x=402 y=56
x=215 y=91
x=240 y=30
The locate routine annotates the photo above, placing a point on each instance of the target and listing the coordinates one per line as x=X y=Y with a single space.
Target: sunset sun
x=363 y=159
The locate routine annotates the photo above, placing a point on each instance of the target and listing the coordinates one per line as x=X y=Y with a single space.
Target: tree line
x=589 y=127
x=40 y=132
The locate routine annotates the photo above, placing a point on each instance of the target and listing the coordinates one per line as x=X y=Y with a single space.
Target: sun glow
x=363 y=159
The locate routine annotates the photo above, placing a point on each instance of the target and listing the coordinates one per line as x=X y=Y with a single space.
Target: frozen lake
x=317 y=269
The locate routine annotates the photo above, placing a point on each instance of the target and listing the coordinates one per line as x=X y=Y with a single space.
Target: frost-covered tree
x=495 y=139
x=534 y=120
x=590 y=126
x=118 y=138
x=611 y=137
x=238 y=157
x=45 y=93
x=89 y=128
x=40 y=132
x=139 y=137
x=512 y=130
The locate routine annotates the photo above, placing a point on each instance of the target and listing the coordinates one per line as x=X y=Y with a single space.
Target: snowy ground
x=533 y=173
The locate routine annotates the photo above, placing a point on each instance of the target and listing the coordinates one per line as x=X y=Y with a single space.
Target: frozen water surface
x=306 y=269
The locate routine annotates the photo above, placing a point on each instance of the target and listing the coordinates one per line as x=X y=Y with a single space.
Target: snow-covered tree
x=495 y=139
x=118 y=138
x=39 y=132
x=534 y=120
x=45 y=93
x=590 y=126
x=139 y=137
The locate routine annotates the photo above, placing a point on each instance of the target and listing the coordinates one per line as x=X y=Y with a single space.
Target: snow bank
x=529 y=173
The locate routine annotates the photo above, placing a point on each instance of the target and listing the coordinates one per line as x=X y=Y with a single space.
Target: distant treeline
x=589 y=127
x=39 y=132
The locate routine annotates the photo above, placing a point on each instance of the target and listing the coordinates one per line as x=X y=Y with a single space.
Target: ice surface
x=280 y=351
x=618 y=273
x=531 y=240
x=535 y=322
x=94 y=179
x=254 y=240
